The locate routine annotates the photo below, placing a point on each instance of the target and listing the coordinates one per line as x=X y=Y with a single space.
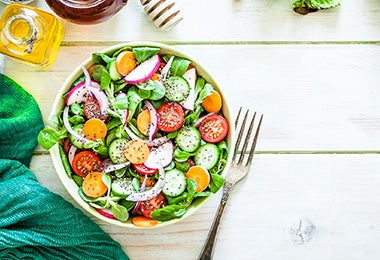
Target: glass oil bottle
x=30 y=35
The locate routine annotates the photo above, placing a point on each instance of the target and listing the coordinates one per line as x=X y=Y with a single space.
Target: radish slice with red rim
x=190 y=76
x=106 y=212
x=144 y=70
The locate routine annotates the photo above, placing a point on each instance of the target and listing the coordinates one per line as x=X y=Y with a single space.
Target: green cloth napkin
x=34 y=222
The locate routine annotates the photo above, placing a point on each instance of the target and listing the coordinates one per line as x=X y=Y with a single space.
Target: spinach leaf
x=205 y=91
x=216 y=182
x=158 y=91
x=134 y=101
x=120 y=212
x=48 y=137
x=179 y=66
x=168 y=212
x=101 y=58
x=308 y=6
x=144 y=53
x=181 y=155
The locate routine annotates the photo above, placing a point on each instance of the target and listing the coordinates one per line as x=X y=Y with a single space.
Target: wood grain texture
x=316 y=79
x=334 y=196
x=237 y=20
x=315 y=97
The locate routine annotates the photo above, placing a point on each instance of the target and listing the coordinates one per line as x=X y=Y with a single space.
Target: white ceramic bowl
x=58 y=105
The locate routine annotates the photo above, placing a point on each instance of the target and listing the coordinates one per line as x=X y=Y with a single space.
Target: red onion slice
x=153 y=192
x=153 y=120
x=65 y=117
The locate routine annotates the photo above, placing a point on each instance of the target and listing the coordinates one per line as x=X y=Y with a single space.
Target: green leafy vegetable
x=48 y=137
x=308 y=6
x=144 y=53
x=179 y=66
x=168 y=212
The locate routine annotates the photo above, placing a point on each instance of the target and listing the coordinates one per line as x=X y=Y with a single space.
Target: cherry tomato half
x=170 y=117
x=144 y=170
x=146 y=207
x=85 y=162
x=213 y=128
x=91 y=109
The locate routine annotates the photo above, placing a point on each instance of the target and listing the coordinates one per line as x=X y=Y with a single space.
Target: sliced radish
x=106 y=212
x=160 y=156
x=153 y=192
x=143 y=71
x=153 y=120
x=165 y=70
x=191 y=77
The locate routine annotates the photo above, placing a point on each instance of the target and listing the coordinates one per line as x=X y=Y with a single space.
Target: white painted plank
x=314 y=97
x=243 y=20
x=337 y=194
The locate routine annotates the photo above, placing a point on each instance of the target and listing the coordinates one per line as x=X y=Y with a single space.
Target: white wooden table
x=314 y=187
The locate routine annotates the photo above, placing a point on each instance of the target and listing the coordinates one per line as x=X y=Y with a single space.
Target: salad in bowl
x=139 y=135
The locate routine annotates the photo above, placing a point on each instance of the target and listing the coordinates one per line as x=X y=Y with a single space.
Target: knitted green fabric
x=34 y=222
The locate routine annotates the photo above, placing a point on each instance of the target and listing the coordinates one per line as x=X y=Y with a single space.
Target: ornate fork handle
x=240 y=167
x=208 y=247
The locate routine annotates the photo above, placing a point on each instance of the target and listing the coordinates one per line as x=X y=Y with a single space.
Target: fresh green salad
x=141 y=134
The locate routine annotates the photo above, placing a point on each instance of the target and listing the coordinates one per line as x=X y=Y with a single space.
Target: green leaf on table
x=308 y=6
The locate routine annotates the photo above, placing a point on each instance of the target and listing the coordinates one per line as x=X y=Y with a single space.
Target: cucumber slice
x=122 y=187
x=188 y=139
x=175 y=183
x=207 y=156
x=79 y=130
x=177 y=88
x=116 y=150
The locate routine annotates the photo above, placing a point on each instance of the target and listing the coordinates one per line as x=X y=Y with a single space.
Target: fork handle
x=208 y=248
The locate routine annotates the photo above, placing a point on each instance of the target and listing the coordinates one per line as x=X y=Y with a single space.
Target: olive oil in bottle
x=30 y=35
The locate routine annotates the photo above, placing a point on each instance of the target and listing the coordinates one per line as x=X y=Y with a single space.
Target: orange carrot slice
x=141 y=221
x=155 y=77
x=95 y=129
x=213 y=102
x=200 y=175
x=125 y=62
x=143 y=122
x=93 y=185
x=136 y=151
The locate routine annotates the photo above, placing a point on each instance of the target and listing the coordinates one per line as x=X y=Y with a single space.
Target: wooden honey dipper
x=163 y=13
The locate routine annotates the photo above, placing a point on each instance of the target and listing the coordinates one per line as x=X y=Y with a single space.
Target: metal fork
x=239 y=169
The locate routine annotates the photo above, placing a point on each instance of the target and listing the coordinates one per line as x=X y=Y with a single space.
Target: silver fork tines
x=240 y=167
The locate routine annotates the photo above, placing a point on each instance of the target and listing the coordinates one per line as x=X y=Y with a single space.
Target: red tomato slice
x=170 y=117
x=66 y=145
x=213 y=128
x=85 y=162
x=146 y=207
x=144 y=170
x=91 y=109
